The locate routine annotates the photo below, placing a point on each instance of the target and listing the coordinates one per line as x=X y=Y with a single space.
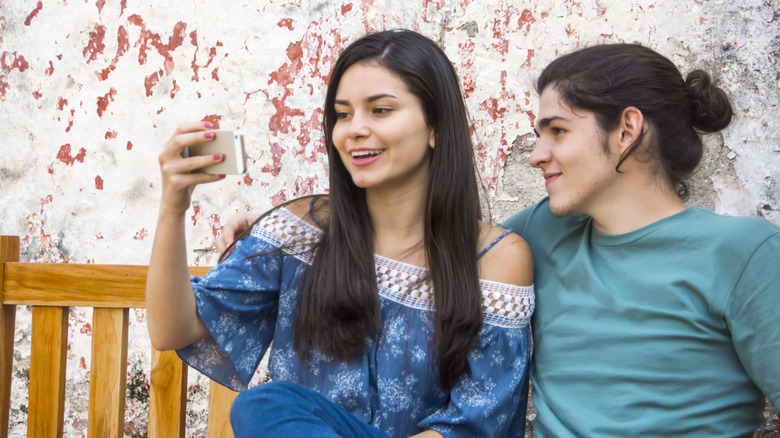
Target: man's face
x=574 y=154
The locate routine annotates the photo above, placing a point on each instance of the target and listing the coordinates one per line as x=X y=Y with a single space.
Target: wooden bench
x=111 y=290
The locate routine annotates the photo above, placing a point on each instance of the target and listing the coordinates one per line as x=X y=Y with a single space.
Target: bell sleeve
x=237 y=301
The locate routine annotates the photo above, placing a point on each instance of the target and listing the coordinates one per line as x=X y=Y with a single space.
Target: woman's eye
x=340 y=115
x=557 y=131
x=381 y=110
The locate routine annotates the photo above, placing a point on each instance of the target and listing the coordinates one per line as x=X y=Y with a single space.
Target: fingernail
x=207 y=125
x=208 y=134
x=222 y=176
x=217 y=156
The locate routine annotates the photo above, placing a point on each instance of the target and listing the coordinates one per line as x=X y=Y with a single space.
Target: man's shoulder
x=739 y=229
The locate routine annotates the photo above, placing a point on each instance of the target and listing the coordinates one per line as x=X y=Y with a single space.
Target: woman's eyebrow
x=369 y=99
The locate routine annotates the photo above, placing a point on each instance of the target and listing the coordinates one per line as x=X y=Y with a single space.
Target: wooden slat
x=168 y=398
x=9 y=252
x=47 y=372
x=78 y=285
x=108 y=373
x=220 y=401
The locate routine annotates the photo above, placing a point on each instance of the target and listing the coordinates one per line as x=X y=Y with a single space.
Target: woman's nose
x=358 y=126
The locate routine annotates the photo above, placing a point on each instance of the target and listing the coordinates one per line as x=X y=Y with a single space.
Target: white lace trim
x=503 y=305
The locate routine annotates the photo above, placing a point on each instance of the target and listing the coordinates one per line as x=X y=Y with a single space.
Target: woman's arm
x=172 y=317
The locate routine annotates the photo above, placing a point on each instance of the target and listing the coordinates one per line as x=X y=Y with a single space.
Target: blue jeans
x=282 y=409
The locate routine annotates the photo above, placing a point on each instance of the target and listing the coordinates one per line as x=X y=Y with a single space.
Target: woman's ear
x=432 y=139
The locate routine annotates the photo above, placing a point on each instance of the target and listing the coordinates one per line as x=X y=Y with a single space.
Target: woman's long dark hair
x=607 y=79
x=338 y=308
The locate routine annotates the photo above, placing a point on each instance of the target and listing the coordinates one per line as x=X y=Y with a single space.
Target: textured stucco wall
x=90 y=90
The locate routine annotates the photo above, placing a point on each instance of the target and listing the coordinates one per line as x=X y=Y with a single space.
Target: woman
x=387 y=312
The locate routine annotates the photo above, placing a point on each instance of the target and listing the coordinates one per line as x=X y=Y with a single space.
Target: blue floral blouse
x=249 y=303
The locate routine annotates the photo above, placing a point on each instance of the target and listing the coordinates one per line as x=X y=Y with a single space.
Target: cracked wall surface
x=91 y=90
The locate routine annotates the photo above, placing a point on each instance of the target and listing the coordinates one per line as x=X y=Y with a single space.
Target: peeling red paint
x=216 y=227
x=99 y=236
x=346 y=8
x=286 y=74
x=70 y=119
x=468 y=70
x=65 y=156
x=129 y=145
x=95 y=46
x=195 y=213
x=33 y=14
x=110 y=134
x=18 y=62
x=100 y=4
x=98 y=182
x=87 y=330
x=528 y=56
x=141 y=235
x=175 y=89
x=50 y=70
x=278 y=198
x=122 y=46
x=151 y=80
x=102 y=102
x=46 y=201
x=304 y=138
x=275 y=165
x=286 y=22
x=280 y=121
x=37 y=95
x=525 y=21
x=212 y=52
x=304 y=186
x=248 y=179
x=149 y=38
x=213 y=119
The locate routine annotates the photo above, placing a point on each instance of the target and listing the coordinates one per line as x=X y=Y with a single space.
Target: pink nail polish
x=208 y=134
x=217 y=156
x=207 y=125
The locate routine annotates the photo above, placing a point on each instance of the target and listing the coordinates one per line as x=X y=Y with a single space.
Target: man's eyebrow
x=542 y=123
x=370 y=98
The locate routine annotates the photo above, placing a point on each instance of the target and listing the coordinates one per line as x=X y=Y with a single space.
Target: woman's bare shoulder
x=311 y=209
x=508 y=261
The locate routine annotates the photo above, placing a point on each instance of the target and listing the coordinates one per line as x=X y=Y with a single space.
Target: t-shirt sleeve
x=237 y=301
x=753 y=314
x=490 y=399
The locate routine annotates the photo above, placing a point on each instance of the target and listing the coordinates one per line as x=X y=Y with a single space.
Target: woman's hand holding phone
x=180 y=175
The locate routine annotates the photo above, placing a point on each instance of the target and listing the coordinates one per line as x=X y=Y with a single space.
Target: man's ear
x=631 y=129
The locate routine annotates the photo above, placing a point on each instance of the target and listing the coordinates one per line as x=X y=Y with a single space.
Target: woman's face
x=380 y=133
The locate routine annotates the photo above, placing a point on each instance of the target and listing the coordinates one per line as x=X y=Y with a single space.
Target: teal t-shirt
x=670 y=330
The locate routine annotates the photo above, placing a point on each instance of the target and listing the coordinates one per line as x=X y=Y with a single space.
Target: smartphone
x=226 y=142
